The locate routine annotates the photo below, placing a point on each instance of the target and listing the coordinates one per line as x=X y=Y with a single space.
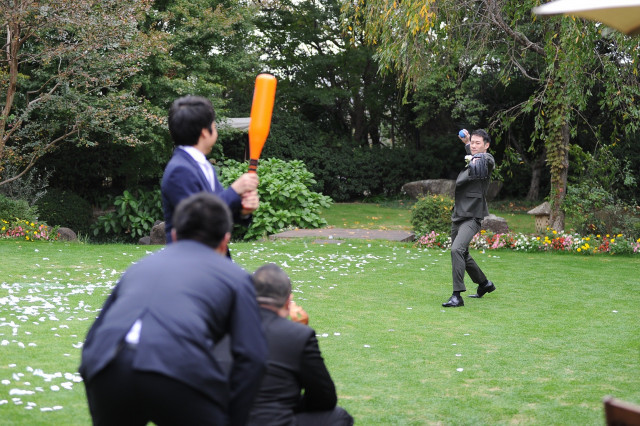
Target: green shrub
x=432 y=213
x=597 y=211
x=11 y=209
x=286 y=200
x=65 y=208
x=134 y=216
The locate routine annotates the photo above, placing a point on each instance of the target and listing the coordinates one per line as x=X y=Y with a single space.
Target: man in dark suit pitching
x=149 y=355
x=192 y=124
x=469 y=210
x=295 y=364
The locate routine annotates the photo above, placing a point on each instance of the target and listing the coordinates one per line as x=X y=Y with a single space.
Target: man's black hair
x=187 y=117
x=483 y=134
x=202 y=217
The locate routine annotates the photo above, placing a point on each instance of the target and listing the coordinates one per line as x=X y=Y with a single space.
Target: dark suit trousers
x=119 y=395
x=462 y=233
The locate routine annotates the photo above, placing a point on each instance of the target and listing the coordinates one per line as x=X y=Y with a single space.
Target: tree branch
x=494 y=14
x=35 y=155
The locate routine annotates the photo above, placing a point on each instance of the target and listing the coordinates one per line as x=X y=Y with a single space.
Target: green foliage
x=597 y=211
x=345 y=171
x=11 y=209
x=432 y=213
x=63 y=76
x=592 y=195
x=286 y=200
x=65 y=208
x=134 y=215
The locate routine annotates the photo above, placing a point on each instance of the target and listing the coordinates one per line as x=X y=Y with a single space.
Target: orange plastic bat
x=261 y=109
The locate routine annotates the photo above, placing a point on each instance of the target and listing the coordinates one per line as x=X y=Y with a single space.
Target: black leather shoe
x=483 y=289
x=453 y=302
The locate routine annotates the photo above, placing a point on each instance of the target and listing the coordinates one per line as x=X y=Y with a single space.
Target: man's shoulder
x=290 y=328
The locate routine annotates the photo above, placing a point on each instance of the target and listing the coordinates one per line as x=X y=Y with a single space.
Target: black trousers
x=119 y=395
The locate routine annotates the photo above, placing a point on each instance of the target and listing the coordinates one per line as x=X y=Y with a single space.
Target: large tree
x=565 y=58
x=62 y=68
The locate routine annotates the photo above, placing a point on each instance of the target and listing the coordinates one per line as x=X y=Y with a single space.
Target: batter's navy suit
x=183 y=177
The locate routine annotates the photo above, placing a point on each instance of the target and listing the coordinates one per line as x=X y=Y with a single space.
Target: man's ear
x=223 y=247
x=288 y=302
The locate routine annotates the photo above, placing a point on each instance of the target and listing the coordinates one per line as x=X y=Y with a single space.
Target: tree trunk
x=559 y=173
x=537 y=168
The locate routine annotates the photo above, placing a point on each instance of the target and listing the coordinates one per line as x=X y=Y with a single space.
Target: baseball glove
x=478 y=168
x=298 y=314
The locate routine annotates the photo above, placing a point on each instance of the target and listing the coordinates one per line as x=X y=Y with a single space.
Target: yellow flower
x=27 y=237
x=598 y=235
x=579 y=250
x=4 y=227
x=31 y=223
x=586 y=246
x=607 y=235
x=555 y=232
x=538 y=238
x=619 y=235
x=613 y=240
x=588 y=239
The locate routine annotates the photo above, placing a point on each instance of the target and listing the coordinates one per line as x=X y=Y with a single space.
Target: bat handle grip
x=253 y=166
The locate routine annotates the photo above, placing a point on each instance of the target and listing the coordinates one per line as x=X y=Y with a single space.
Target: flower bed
x=550 y=241
x=27 y=231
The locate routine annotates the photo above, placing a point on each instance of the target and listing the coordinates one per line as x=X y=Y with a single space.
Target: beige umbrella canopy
x=623 y=15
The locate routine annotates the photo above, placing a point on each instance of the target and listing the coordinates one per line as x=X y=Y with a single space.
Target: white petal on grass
x=55 y=388
x=6 y=382
x=20 y=392
x=459 y=369
x=458 y=354
x=367 y=346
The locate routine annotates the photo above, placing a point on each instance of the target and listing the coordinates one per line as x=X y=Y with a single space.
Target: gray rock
x=158 y=235
x=446 y=187
x=144 y=241
x=421 y=188
x=495 y=224
x=66 y=234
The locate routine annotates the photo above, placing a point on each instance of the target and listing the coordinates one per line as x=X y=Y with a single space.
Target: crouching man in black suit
x=149 y=355
x=295 y=363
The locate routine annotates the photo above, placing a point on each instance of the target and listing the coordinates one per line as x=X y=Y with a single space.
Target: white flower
x=467 y=158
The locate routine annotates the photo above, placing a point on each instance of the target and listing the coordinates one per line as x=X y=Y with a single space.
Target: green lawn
x=398 y=216
x=369 y=215
x=559 y=334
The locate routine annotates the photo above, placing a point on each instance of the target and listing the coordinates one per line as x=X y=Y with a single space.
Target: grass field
x=559 y=334
x=397 y=215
